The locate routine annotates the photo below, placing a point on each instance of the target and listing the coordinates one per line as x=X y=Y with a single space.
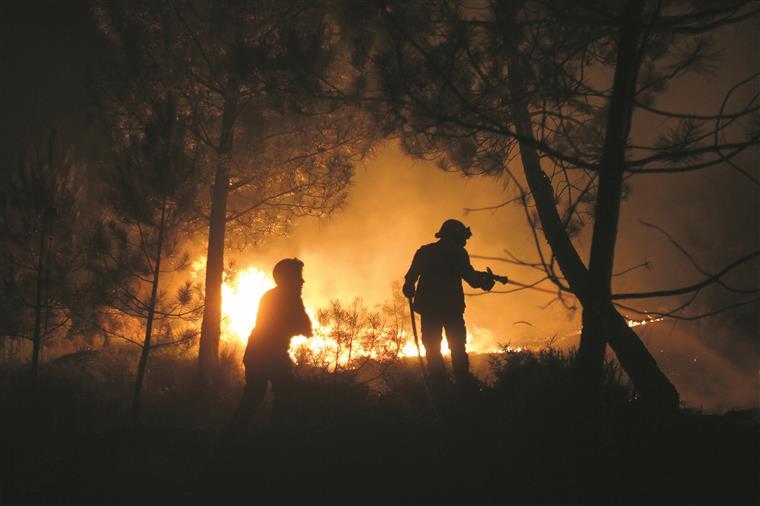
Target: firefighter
x=437 y=270
x=281 y=316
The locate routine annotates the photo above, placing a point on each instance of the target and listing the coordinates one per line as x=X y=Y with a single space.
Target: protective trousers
x=456 y=336
x=276 y=369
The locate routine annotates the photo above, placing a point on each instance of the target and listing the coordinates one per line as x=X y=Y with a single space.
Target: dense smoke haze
x=396 y=203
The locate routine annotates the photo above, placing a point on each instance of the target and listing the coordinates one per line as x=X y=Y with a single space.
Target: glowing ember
x=646 y=321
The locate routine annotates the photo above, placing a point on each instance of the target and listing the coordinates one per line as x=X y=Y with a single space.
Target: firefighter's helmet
x=454 y=229
x=287 y=270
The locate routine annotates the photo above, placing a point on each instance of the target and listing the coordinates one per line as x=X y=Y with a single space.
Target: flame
x=240 y=300
x=645 y=321
x=409 y=349
x=240 y=303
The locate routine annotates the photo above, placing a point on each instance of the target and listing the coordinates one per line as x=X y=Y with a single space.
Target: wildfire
x=240 y=303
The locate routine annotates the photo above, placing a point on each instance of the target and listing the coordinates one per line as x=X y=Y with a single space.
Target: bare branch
x=689 y=317
x=690 y=258
x=691 y=288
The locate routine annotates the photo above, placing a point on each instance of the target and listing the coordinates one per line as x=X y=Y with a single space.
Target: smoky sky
x=397 y=203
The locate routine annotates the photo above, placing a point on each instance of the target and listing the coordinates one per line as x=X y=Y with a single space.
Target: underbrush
x=523 y=437
x=92 y=390
x=543 y=387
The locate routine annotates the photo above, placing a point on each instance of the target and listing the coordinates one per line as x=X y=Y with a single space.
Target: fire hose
x=426 y=379
x=423 y=370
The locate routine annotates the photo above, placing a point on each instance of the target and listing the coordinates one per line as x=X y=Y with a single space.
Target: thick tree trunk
x=609 y=192
x=640 y=366
x=142 y=365
x=212 y=310
x=650 y=382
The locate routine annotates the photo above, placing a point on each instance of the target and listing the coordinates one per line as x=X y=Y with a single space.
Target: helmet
x=455 y=229
x=287 y=270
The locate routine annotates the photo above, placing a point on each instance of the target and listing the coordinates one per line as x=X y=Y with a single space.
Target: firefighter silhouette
x=281 y=316
x=437 y=270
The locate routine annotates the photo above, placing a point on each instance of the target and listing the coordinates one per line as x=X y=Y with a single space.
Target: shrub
x=544 y=383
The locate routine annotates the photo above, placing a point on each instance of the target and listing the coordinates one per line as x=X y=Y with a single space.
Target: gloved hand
x=408 y=290
x=487 y=280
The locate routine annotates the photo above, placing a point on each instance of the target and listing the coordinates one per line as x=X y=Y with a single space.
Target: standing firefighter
x=440 y=268
x=281 y=316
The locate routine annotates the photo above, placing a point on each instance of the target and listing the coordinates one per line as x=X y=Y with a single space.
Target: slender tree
x=248 y=74
x=42 y=246
x=155 y=185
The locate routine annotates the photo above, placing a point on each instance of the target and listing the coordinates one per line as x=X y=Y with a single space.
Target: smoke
x=707 y=377
x=397 y=204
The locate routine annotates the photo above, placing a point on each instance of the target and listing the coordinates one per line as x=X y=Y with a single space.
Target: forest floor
x=519 y=439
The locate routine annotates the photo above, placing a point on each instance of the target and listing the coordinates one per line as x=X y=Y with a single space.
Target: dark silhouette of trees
x=43 y=244
x=247 y=74
x=154 y=187
x=556 y=85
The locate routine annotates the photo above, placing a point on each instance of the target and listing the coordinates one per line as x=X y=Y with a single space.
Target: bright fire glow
x=240 y=304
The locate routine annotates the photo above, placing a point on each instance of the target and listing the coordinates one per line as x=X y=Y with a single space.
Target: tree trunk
x=651 y=383
x=37 y=338
x=640 y=366
x=609 y=193
x=142 y=365
x=212 y=309
x=47 y=214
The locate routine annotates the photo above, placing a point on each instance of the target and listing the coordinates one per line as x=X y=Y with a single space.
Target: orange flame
x=240 y=303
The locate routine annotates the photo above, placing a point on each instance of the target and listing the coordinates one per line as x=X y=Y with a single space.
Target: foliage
x=372 y=448
x=354 y=344
x=289 y=153
x=546 y=379
x=153 y=186
x=46 y=243
x=249 y=77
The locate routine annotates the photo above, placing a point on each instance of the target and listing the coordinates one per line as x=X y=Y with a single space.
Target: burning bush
x=350 y=340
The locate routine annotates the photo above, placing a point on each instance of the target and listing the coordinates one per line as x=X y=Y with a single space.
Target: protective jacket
x=441 y=266
x=281 y=316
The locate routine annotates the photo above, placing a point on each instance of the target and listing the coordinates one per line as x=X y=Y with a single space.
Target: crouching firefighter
x=281 y=316
x=437 y=270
